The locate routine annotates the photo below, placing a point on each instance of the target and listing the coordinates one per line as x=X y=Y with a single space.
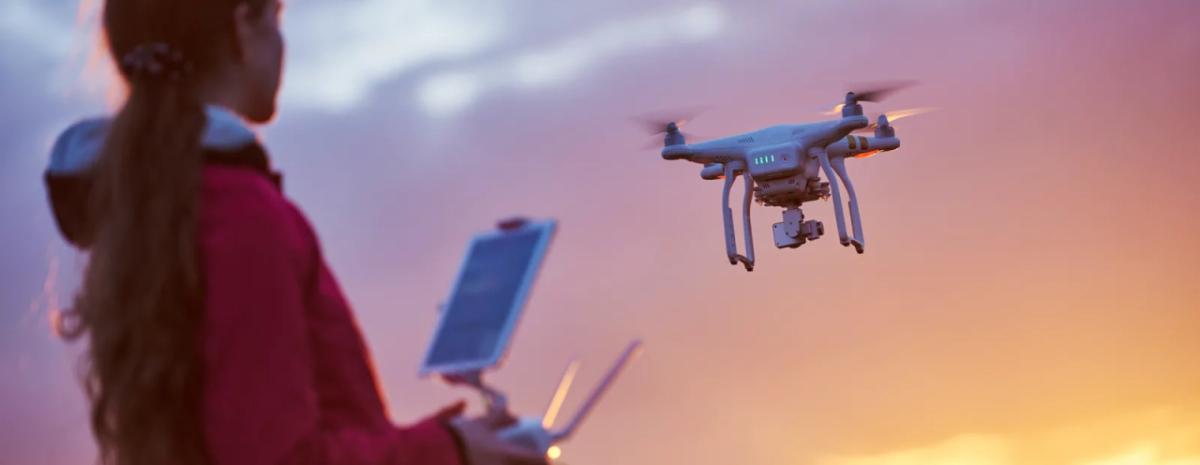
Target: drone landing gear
x=732 y=169
x=838 y=165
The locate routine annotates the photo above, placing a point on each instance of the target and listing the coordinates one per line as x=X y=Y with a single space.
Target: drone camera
x=812 y=229
x=809 y=230
x=785 y=241
x=793 y=231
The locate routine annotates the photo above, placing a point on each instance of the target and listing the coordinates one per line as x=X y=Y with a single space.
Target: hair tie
x=155 y=61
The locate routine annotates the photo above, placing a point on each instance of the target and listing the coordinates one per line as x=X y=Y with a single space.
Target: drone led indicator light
x=553 y=453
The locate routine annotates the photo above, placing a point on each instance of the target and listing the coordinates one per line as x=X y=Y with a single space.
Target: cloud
x=340 y=51
x=52 y=49
x=27 y=23
x=446 y=93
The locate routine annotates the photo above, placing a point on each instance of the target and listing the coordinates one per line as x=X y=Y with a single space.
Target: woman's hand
x=483 y=445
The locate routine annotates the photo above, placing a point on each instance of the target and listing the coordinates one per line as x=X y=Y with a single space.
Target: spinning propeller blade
x=894 y=115
x=877 y=91
x=668 y=122
x=868 y=92
x=662 y=122
x=836 y=111
x=657 y=142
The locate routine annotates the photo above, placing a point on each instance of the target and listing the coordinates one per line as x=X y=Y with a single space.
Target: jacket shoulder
x=242 y=208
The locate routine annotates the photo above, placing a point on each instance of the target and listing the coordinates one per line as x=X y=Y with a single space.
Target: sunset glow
x=1162 y=436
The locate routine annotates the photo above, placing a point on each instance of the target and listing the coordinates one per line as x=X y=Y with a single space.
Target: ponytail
x=141 y=302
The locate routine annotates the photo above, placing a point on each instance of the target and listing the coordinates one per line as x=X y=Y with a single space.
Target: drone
x=781 y=166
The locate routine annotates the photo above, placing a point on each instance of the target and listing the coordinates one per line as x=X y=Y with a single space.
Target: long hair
x=141 y=301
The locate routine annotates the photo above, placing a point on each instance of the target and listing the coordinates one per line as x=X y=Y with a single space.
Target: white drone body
x=782 y=165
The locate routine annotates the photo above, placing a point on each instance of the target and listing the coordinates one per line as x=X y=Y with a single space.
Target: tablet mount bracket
x=495 y=401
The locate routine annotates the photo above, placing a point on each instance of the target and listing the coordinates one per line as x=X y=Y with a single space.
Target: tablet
x=489 y=293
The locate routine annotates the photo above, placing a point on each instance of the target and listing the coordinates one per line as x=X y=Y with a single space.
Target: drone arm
x=727 y=213
x=839 y=165
x=838 y=214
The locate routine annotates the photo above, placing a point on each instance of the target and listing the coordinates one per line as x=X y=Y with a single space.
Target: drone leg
x=730 y=245
x=838 y=214
x=730 y=239
x=839 y=165
x=749 y=236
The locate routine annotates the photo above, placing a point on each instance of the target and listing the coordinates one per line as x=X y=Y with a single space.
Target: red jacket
x=286 y=375
x=287 y=378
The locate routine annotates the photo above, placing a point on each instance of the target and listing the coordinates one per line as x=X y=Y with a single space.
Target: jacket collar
x=77 y=148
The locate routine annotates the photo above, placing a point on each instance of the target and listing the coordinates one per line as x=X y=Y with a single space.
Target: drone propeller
x=892 y=116
x=871 y=92
x=665 y=127
x=836 y=111
x=669 y=123
x=877 y=91
x=905 y=113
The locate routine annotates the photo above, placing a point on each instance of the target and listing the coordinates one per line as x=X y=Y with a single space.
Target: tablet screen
x=487 y=299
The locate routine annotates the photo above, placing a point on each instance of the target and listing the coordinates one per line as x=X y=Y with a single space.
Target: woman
x=217 y=334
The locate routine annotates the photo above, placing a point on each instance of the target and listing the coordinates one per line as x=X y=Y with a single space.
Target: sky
x=1028 y=295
